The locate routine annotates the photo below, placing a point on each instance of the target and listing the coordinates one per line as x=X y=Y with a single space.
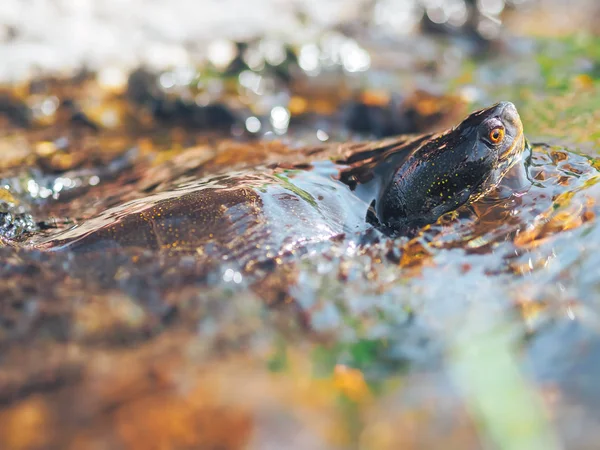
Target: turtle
x=393 y=186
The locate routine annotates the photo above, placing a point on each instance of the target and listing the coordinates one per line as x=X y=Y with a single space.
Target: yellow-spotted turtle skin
x=448 y=170
x=396 y=186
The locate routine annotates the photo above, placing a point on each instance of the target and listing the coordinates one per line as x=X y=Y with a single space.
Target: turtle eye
x=496 y=135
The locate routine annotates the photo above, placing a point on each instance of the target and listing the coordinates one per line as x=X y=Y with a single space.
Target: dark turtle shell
x=312 y=195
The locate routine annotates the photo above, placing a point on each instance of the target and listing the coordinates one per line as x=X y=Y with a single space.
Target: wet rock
x=373 y=120
x=15 y=110
x=15 y=222
x=76 y=117
x=476 y=22
x=394 y=115
x=142 y=87
x=178 y=112
x=143 y=90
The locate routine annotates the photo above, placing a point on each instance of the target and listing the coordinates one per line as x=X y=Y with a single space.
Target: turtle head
x=453 y=168
x=499 y=137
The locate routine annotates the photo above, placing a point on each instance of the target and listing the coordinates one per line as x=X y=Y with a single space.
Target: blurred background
x=62 y=35
x=481 y=332
x=270 y=61
x=361 y=58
